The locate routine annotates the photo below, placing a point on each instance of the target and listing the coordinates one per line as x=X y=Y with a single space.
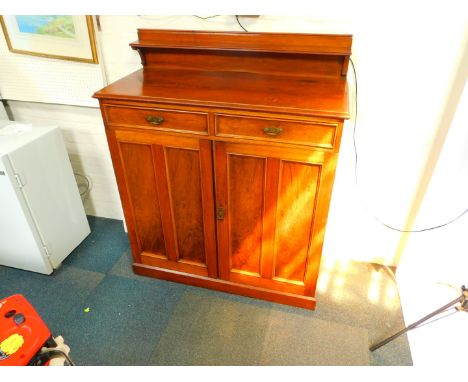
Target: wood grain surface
x=137 y=161
x=322 y=96
x=238 y=41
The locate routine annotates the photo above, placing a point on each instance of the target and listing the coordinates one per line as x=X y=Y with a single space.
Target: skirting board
x=226 y=286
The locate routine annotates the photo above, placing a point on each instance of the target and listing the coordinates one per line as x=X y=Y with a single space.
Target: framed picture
x=56 y=36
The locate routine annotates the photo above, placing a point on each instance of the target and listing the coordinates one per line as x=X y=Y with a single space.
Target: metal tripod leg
x=460 y=299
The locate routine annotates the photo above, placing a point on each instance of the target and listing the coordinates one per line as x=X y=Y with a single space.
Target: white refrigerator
x=42 y=219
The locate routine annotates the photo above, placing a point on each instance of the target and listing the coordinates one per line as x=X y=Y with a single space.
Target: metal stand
x=463 y=300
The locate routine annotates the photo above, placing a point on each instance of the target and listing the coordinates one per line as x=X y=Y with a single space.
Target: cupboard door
x=169 y=188
x=272 y=205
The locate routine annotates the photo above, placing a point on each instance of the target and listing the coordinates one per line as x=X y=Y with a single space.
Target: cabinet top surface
x=271 y=72
x=327 y=97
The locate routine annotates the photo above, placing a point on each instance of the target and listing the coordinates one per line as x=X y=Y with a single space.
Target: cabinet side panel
x=246 y=187
x=296 y=205
x=185 y=189
x=138 y=166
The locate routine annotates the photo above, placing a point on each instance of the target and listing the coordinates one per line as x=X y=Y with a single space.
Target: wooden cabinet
x=224 y=147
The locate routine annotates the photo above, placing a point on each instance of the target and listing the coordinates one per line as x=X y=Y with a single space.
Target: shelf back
x=288 y=54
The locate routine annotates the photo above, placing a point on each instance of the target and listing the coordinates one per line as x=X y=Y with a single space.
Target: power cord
x=210 y=17
x=87 y=190
x=238 y=22
x=205 y=18
x=356 y=165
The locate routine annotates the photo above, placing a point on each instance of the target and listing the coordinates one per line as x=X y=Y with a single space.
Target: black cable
x=88 y=184
x=59 y=353
x=238 y=22
x=356 y=163
x=355 y=121
x=45 y=355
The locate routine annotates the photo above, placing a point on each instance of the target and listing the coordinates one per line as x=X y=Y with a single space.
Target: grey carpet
x=208 y=329
x=135 y=320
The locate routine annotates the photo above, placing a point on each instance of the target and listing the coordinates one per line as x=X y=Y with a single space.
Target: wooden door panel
x=271 y=204
x=183 y=167
x=294 y=217
x=246 y=177
x=171 y=193
x=141 y=184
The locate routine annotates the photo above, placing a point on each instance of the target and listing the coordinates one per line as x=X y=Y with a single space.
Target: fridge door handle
x=20 y=180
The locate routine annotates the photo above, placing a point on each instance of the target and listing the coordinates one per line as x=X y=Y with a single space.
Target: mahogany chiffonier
x=224 y=147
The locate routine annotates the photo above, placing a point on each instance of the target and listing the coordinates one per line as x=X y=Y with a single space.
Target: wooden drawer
x=314 y=133
x=161 y=119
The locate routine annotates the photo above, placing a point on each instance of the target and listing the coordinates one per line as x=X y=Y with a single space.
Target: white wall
x=435 y=263
x=403 y=63
x=403 y=59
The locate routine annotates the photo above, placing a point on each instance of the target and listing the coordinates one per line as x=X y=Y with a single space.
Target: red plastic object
x=22 y=331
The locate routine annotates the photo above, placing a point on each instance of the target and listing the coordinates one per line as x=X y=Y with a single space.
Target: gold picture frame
x=49 y=46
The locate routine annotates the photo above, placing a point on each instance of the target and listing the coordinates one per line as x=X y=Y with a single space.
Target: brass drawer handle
x=273 y=131
x=155 y=119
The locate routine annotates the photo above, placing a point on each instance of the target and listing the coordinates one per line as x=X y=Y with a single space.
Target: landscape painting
x=63 y=37
x=56 y=26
